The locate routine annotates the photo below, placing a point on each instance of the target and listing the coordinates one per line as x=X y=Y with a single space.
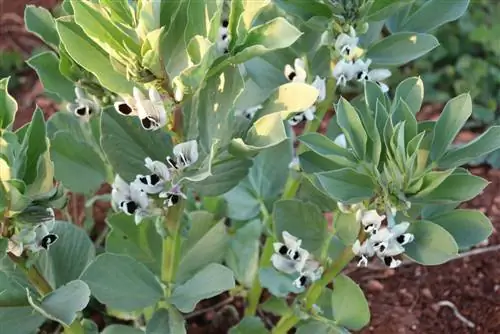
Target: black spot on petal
x=130 y=207
x=283 y=250
x=146 y=123
x=302 y=280
x=401 y=239
x=291 y=76
x=48 y=240
x=382 y=248
x=154 y=179
x=224 y=37
x=225 y=23
x=172 y=163
x=388 y=260
x=81 y=111
x=295 y=256
x=143 y=180
x=359 y=75
x=124 y=109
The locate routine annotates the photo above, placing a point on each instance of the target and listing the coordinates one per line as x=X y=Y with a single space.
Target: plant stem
x=171 y=245
x=75 y=328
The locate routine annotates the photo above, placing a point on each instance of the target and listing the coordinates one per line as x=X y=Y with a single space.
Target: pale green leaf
x=349 y=305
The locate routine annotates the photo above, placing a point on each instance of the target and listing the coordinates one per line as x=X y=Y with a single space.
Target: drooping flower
x=185 y=154
x=290 y=258
x=375 y=75
x=44 y=237
x=345 y=44
x=154 y=182
x=126 y=107
x=344 y=71
x=297 y=73
x=223 y=37
x=83 y=107
x=370 y=219
x=130 y=199
x=151 y=112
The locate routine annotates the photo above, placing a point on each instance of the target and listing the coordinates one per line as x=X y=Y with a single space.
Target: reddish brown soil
x=401 y=301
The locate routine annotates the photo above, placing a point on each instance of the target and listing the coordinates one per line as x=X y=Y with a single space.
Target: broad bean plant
x=190 y=110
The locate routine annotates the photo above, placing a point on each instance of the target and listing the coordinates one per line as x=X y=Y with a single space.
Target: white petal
x=300 y=71
x=383 y=87
x=186 y=153
x=138 y=195
x=341 y=141
x=356 y=247
x=277 y=246
x=15 y=248
x=288 y=71
x=140 y=215
x=291 y=241
x=400 y=228
x=320 y=85
x=382 y=235
x=80 y=93
x=304 y=256
x=138 y=95
x=283 y=264
x=363 y=261
x=372 y=217
x=120 y=185
x=309 y=113
x=379 y=74
x=158 y=168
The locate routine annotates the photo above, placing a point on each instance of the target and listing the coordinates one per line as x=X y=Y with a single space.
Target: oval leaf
x=349 y=305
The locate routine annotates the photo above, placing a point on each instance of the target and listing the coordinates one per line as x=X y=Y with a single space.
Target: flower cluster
x=150 y=111
x=134 y=198
x=84 y=106
x=290 y=258
x=297 y=73
x=349 y=68
x=34 y=238
x=386 y=242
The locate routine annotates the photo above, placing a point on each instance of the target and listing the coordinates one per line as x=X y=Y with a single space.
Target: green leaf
x=304 y=10
x=325 y=147
x=373 y=94
x=67 y=258
x=401 y=48
x=275 y=34
x=276 y=306
x=487 y=142
x=77 y=165
x=210 y=248
x=40 y=22
x=411 y=90
x=352 y=127
x=127 y=144
x=468 y=227
x=278 y=284
x=243 y=203
x=119 y=11
x=133 y=289
x=266 y=132
x=249 y=325
x=434 y=13
x=303 y=220
x=346 y=227
x=350 y=308
x=8 y=105
x=431 y=181
x=90 y=56
x=121 y=329
x=206 y=283
x=141 y=242
x=347 y=185
x=46 y=65
x=452 y=119
x=166 y=322
x=242 y=256
x=63 y=304
x=382 y=9
x=433 y=245
x=290 y=98
x=102 y=30
x=317 y=327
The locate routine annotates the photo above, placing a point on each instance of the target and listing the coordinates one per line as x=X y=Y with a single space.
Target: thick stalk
x=171 y=245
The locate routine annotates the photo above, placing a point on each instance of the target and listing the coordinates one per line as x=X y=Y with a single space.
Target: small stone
x=374 y=286
x=413 y=327
x=427 y=293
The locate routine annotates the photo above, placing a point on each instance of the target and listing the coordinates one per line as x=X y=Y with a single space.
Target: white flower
x=320 y=85
x=83 y=107
x=297 y=73
x=376 y=75
x=344 y=71
x=19 y=240
x=249 y=113
x=44 y=237
x=390 y=242
x=151 y=111
x=296 y=119
x=130 y=199
x=290 y=258
x=34 y=239
x=154 y=182
x=223 y=39
x=185 y=155
x=370 y=219
x=172 y=196
x=126 y=107
x=345 y=44
x=341 y=141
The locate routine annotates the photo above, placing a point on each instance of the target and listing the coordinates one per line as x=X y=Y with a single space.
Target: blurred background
x=412 y=299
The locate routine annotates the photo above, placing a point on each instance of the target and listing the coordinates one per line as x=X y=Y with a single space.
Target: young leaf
x=325 y=147
x=452 y=119
x=434 y=13
x=347 y=185
x=166 y=322
x=133 y=289
x=349 y=305
x=121 y=329
x=208 y=282
x=290 y=98
x=487 y=142
x=40 y=22
x=90 y=56
x=348 y=119
x=411 y=90
x=63 y=304
x=432 y=245
x=382 y=9
x=8 y=105
x=303 y=220
x=401 y=48
x=467 y=227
